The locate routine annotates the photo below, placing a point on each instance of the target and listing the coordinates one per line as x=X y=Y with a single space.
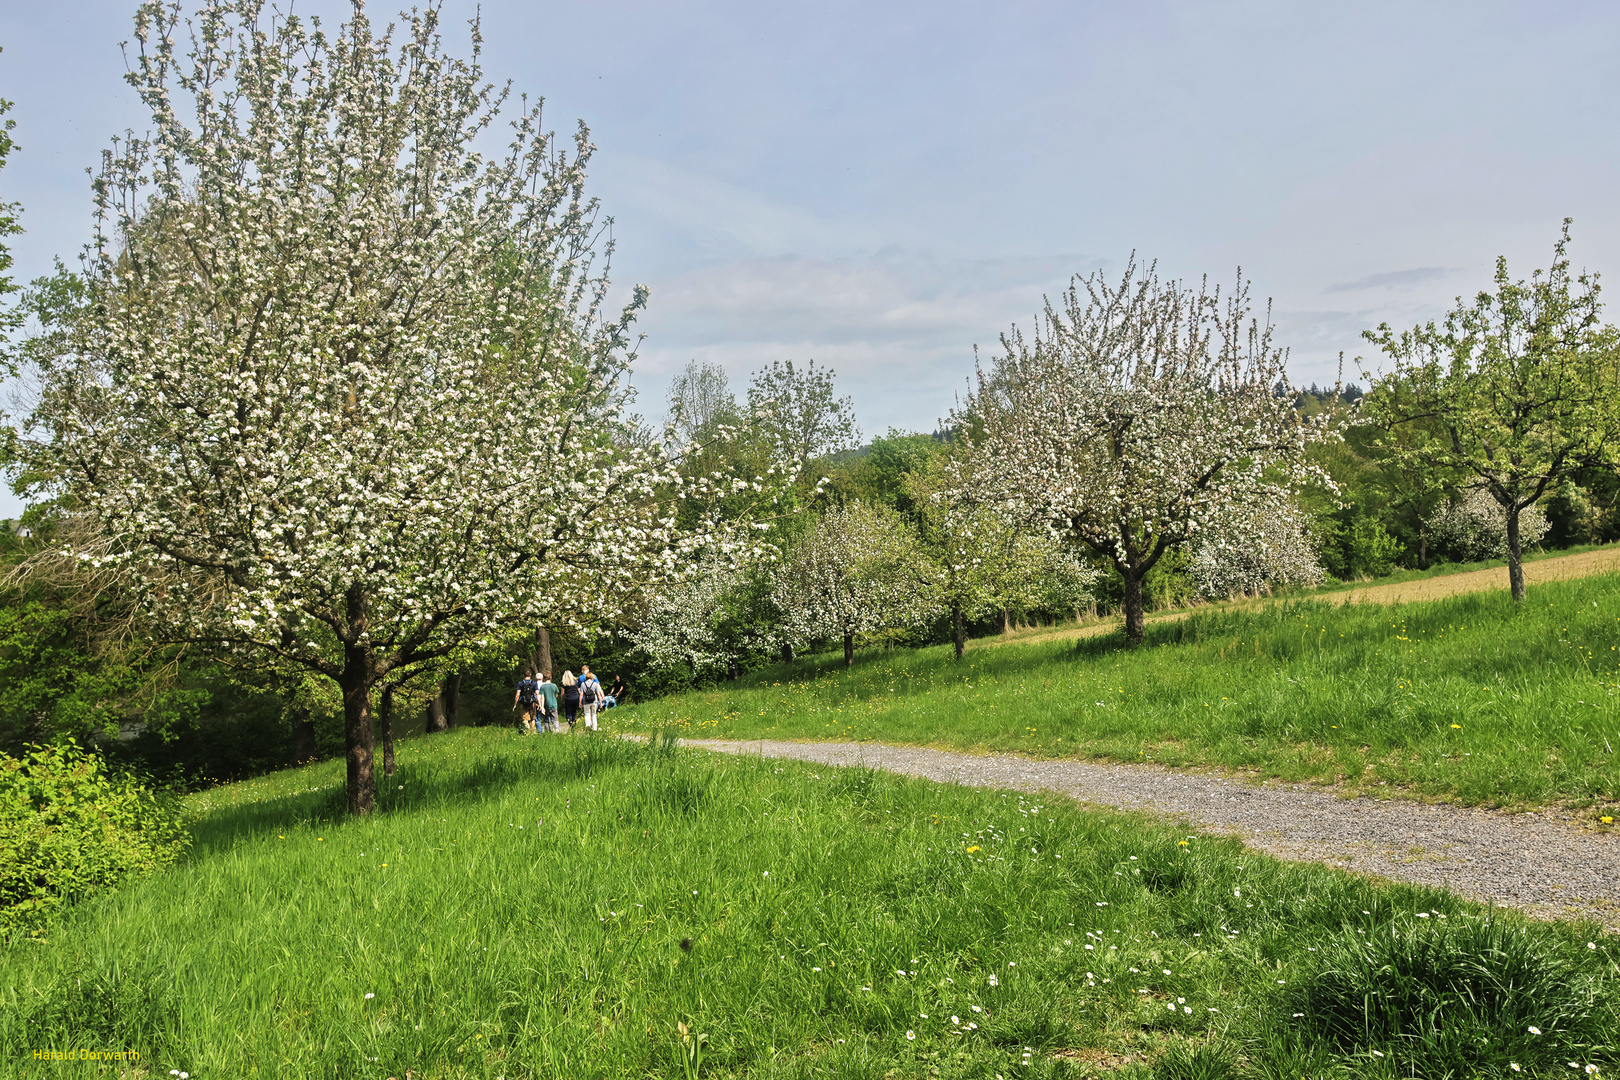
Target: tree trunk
x=303 y=739
x=1423 y=547
x=452 y=699
x=435 y=714
x=542 y=651
x=787 y=652
x=1006 y=621
x=849 y=650
x=1135 y=624
x=958 y=630
x=357 y=733
x=385 y=720
x=1515 y=555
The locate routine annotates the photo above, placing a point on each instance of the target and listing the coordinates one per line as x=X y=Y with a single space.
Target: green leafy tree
x=978 y=556
x=700 y=402
x=1513 y=392
x=879 y=472
x=800 y=411
x=1571 y=516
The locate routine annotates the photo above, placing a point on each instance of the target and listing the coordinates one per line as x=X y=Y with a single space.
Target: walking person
x=527 y=699
x=570 y=698
x=590 y=697
x=548 y=704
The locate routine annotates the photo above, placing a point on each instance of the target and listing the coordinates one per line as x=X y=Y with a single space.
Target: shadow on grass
x=492 y=763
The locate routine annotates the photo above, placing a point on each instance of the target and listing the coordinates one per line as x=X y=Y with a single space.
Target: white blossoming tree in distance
x=1269 y=544
x=1138 y=417
x=859 y=570
x=347 y=397
x=1475 y=526
x=717 y=614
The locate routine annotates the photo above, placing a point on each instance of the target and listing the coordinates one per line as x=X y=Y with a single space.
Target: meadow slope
x=1407 y=587
x=537 y=907
x=1469 y=697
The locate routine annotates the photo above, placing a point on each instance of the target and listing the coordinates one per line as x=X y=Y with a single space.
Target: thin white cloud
x=899 y=327
x=716 y=216
x=1393 y=279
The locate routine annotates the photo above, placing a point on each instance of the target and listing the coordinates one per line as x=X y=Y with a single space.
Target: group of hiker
x=538 y=700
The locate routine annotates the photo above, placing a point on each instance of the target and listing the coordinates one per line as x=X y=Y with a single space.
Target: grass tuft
x=1440 y=996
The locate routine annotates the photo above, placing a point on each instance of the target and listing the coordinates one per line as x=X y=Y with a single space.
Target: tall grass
x=1469 y=698
x=553 y=907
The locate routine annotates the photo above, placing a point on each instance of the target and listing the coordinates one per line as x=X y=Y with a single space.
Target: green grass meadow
x=544 y=906
x=1470 y=698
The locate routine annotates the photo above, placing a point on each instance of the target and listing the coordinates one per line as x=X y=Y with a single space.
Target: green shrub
x=69 y=828
x=1455 y=997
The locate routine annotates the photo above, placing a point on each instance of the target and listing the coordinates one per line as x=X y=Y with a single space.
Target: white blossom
x=1256 y=548
x=1140 y=417
x=1474 y=528
x=859 y=571
x=347 y=396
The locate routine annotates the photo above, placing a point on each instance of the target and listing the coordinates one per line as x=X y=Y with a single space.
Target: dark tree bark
x=1515 y=554
x=385 y=720
x=445 y=707
x=303 y=739
x=452 y=699
x=435 y=714
x=356 y=682
x=849 y=650
x=958 y=628
x=1135 y=620
x=787 y=652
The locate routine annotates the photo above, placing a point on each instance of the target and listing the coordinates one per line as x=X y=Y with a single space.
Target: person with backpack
x=548 y=704
x=528 y=699
x=570 y=699
x=590 y=697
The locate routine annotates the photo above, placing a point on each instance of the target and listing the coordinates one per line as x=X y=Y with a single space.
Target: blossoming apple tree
x=858 y=571
x=1138 y=417
x=1268 y=544
x=348 y=394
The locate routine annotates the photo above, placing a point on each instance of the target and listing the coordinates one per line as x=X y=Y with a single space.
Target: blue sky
x=880 y=187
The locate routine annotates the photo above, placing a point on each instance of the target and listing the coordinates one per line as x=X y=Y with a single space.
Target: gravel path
x=1541 y=862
